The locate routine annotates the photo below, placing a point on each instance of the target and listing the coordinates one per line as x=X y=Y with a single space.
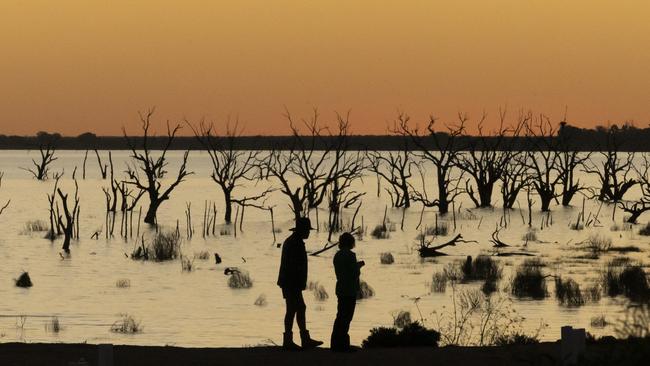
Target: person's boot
x=287 y=342
x=306 y=340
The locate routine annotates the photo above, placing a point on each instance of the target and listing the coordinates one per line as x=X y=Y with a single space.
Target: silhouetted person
x=293 y=280
x=347 y=285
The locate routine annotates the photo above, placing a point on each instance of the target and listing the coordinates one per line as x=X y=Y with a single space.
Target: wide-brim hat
x=303 y=224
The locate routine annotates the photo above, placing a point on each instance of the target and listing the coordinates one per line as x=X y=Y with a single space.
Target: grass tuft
x=529 y=280
x=386 y=258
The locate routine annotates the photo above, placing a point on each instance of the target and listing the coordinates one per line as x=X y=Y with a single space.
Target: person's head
x=346 y=241
x=303 y=227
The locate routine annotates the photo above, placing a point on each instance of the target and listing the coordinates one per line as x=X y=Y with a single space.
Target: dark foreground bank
x=601 y=353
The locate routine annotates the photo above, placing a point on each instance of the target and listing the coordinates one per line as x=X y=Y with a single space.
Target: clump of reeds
x=621 y=277
x=441 y=228
x=166 y=246
x=481 y=268
x=645 y=231
x=126 y=325
x=240 y=280
x=36 y=226
x=123 y=283
x=24 y=280
x=531 y=235
x=53 y=325
x=529 y=280
x=320 y=294
x=202 y=255
x=599 y=321
x=568 y=293
x=380 y=232
x=439 y=282
x=225 y=231
x=598 y=243
x=365 y=291
x=402 y=319
x=386 y=258
x=261 y=300
x=186 y=264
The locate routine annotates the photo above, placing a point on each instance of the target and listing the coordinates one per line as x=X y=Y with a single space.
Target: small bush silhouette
x=402 y=319
x=380 y=232
x=412 y=335
x=261 y=300
x=123 y=283
x=126 y=325
x=203 y=255
x=24 y=280
x=623 y=278
x=645 y=231
x=515 y=338
x=482 y=268
x=386 y=258
x=529 y=280
x=239 y=280
x=166 y=246
x=365 y=291
x=568 y=293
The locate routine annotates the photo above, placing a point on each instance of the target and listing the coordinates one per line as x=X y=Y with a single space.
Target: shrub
x=412 y=335
x=203 y=255
x=126 y=325
x=645 y=231
x=380 y=232
x=261 y=300
x=636 y=323
x=529 y=280
x=165 y=246
x=239 y=279
x=515 y=338
x=441 y=229
x=386 y=258
x=531 y=235
x=597 y=243
x=623 y=278
x=402 y=319
x=24 y=280
x=123 y=283
x=36 y=226
x=186 y=264
x=53 y=326
x=599 y=321
x=439 y=282
x=365 y=291
x=482 y=268
x=489 y=287
x=568 y=292
x=320 y=294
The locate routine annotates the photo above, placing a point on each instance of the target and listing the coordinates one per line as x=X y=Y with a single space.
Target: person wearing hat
x=347 y=271
x=293 y=281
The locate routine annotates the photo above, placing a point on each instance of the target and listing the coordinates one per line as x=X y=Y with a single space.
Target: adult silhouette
x=293 y=281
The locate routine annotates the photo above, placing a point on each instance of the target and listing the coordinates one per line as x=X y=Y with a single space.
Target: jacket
x=347 y=273
x=293 y=264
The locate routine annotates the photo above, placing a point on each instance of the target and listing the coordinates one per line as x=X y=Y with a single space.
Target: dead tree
x=230 y=166
x=103 y=168
x=2 y=209
x=641 y=205
x=486 y=158
x=71 y=215
x=153 y=167
x=569 y=158
x=513 y=179
x=613 y=173
x=277 y=164
x=314 y=151
x=41 y=170
x=543 y=159
x=348 y=168
x=426 y=250
x=396 y=169
x=439 y=148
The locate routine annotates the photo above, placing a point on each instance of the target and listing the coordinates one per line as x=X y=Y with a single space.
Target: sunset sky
x=73 y=66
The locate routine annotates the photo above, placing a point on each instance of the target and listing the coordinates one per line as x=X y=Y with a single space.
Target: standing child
x=347 y=285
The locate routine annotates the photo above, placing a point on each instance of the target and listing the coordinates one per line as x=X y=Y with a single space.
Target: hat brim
x=295 y=228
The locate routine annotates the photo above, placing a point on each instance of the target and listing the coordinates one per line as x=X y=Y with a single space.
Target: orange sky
x=89 y=65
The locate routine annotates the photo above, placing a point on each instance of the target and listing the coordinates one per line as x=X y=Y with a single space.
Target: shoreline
x=619 y=352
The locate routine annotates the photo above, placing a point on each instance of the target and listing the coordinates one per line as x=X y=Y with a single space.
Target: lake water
x=198 y=309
